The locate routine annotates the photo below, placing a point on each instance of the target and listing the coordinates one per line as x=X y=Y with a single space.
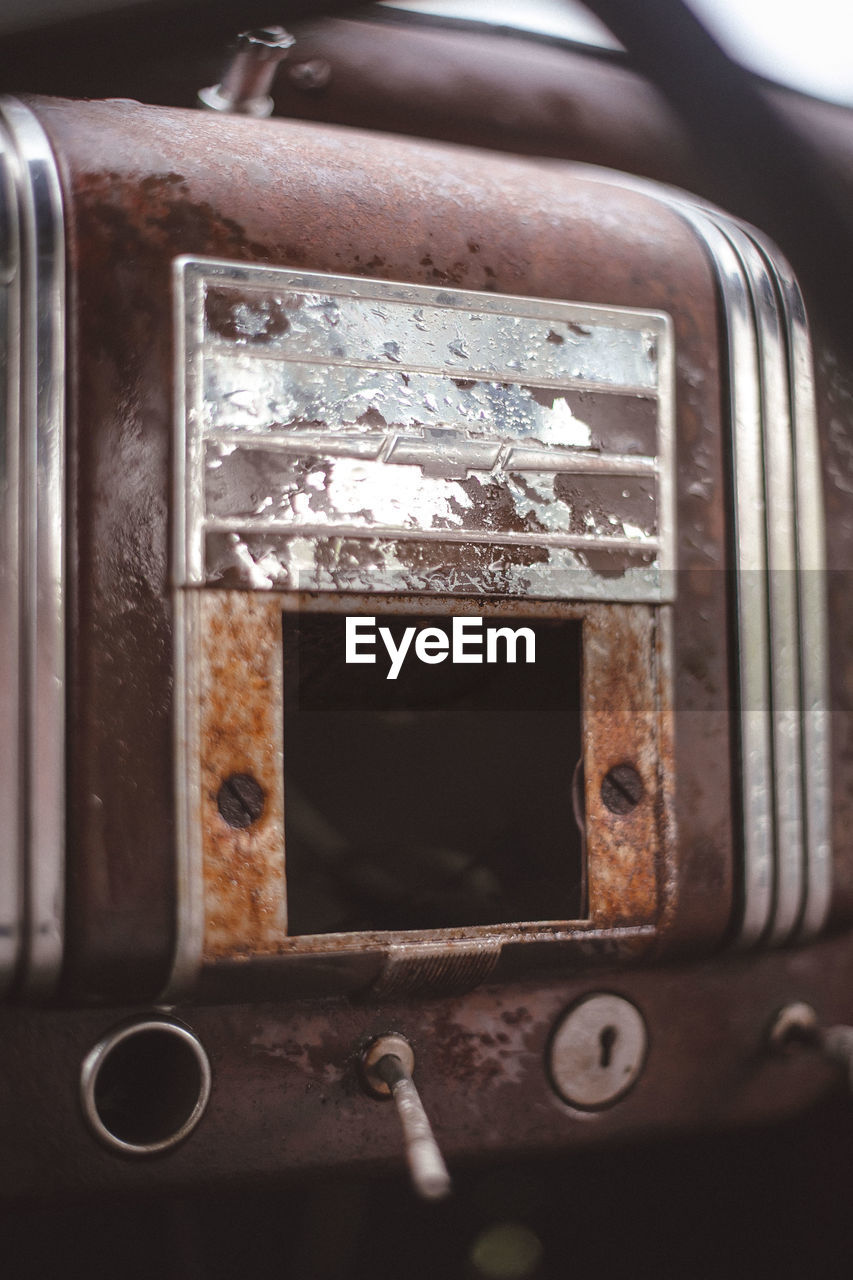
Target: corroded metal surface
x=239 y=691
x=234 y=692
x=622 y=722
x=835 y=402
x=144 y=186
x=287 y=1094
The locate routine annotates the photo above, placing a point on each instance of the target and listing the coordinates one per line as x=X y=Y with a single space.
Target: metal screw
x=622 y=789
x=240 y=800
x=311 y=76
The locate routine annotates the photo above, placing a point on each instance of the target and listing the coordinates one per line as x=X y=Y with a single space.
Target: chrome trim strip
x=794 y=485
x=667 y=518
x=42 y=541
x=787 y=760
x=795 y=488
x=812 y=598
x=751 y=599
x=189 y=869
x=11 y=869
x=229 y=524
x=517 y=458
x=787 y=617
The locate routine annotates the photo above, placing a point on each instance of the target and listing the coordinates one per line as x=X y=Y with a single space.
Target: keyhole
x=606 y=1040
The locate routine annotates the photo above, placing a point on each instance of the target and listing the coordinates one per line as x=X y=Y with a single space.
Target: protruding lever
x=246 y=84
x=388 y=1064
x=798 y=1024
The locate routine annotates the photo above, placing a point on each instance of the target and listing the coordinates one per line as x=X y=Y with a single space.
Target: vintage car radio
x=273 y=439
x=413 y=579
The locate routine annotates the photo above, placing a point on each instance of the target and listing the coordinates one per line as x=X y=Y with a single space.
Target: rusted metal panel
x=287 y=1096
x=835 y=406
x=234 y=687
x=143 y=186
x=239 y=694
x=621 y=732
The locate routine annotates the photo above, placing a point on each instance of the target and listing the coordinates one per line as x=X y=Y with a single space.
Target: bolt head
x=622 y=789
x=240 y=800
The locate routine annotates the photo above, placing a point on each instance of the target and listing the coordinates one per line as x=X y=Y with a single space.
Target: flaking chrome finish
x=315 y=454
x=33 y=547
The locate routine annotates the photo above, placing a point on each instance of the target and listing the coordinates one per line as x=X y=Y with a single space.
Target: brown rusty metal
x=287 y=1094
x=621 y=721
x=237 y=683
x=496 y=92
x=835 y=408
x=489 y=90
x=143 y=185
x=239 y=691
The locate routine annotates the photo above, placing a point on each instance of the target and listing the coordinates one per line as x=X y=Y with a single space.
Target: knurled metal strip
x=439 y=966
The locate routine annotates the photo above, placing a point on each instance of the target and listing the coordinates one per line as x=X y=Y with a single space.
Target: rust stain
x=621 y=726
x=240 y=691
x=668 y=867
x=144 y=185
x=631 y=857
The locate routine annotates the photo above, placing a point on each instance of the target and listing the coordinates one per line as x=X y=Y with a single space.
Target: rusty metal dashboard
x=279 y=395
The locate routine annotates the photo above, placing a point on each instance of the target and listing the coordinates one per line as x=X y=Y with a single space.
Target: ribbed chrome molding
x=780 y=586
x=32 y=587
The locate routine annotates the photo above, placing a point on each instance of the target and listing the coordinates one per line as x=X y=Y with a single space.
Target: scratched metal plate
x=357 y=435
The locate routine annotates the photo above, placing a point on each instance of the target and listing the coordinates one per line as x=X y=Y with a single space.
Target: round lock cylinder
x=598 y=1051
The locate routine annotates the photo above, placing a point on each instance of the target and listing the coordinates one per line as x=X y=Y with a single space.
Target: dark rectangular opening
x=442 y=798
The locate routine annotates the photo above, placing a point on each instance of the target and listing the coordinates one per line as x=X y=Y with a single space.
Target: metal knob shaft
x=246 y=84
x=798 y=1024
x=388 y=1064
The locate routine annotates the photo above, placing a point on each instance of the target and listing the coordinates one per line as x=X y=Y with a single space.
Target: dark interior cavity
x=442 y=798
x=148 y=1086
